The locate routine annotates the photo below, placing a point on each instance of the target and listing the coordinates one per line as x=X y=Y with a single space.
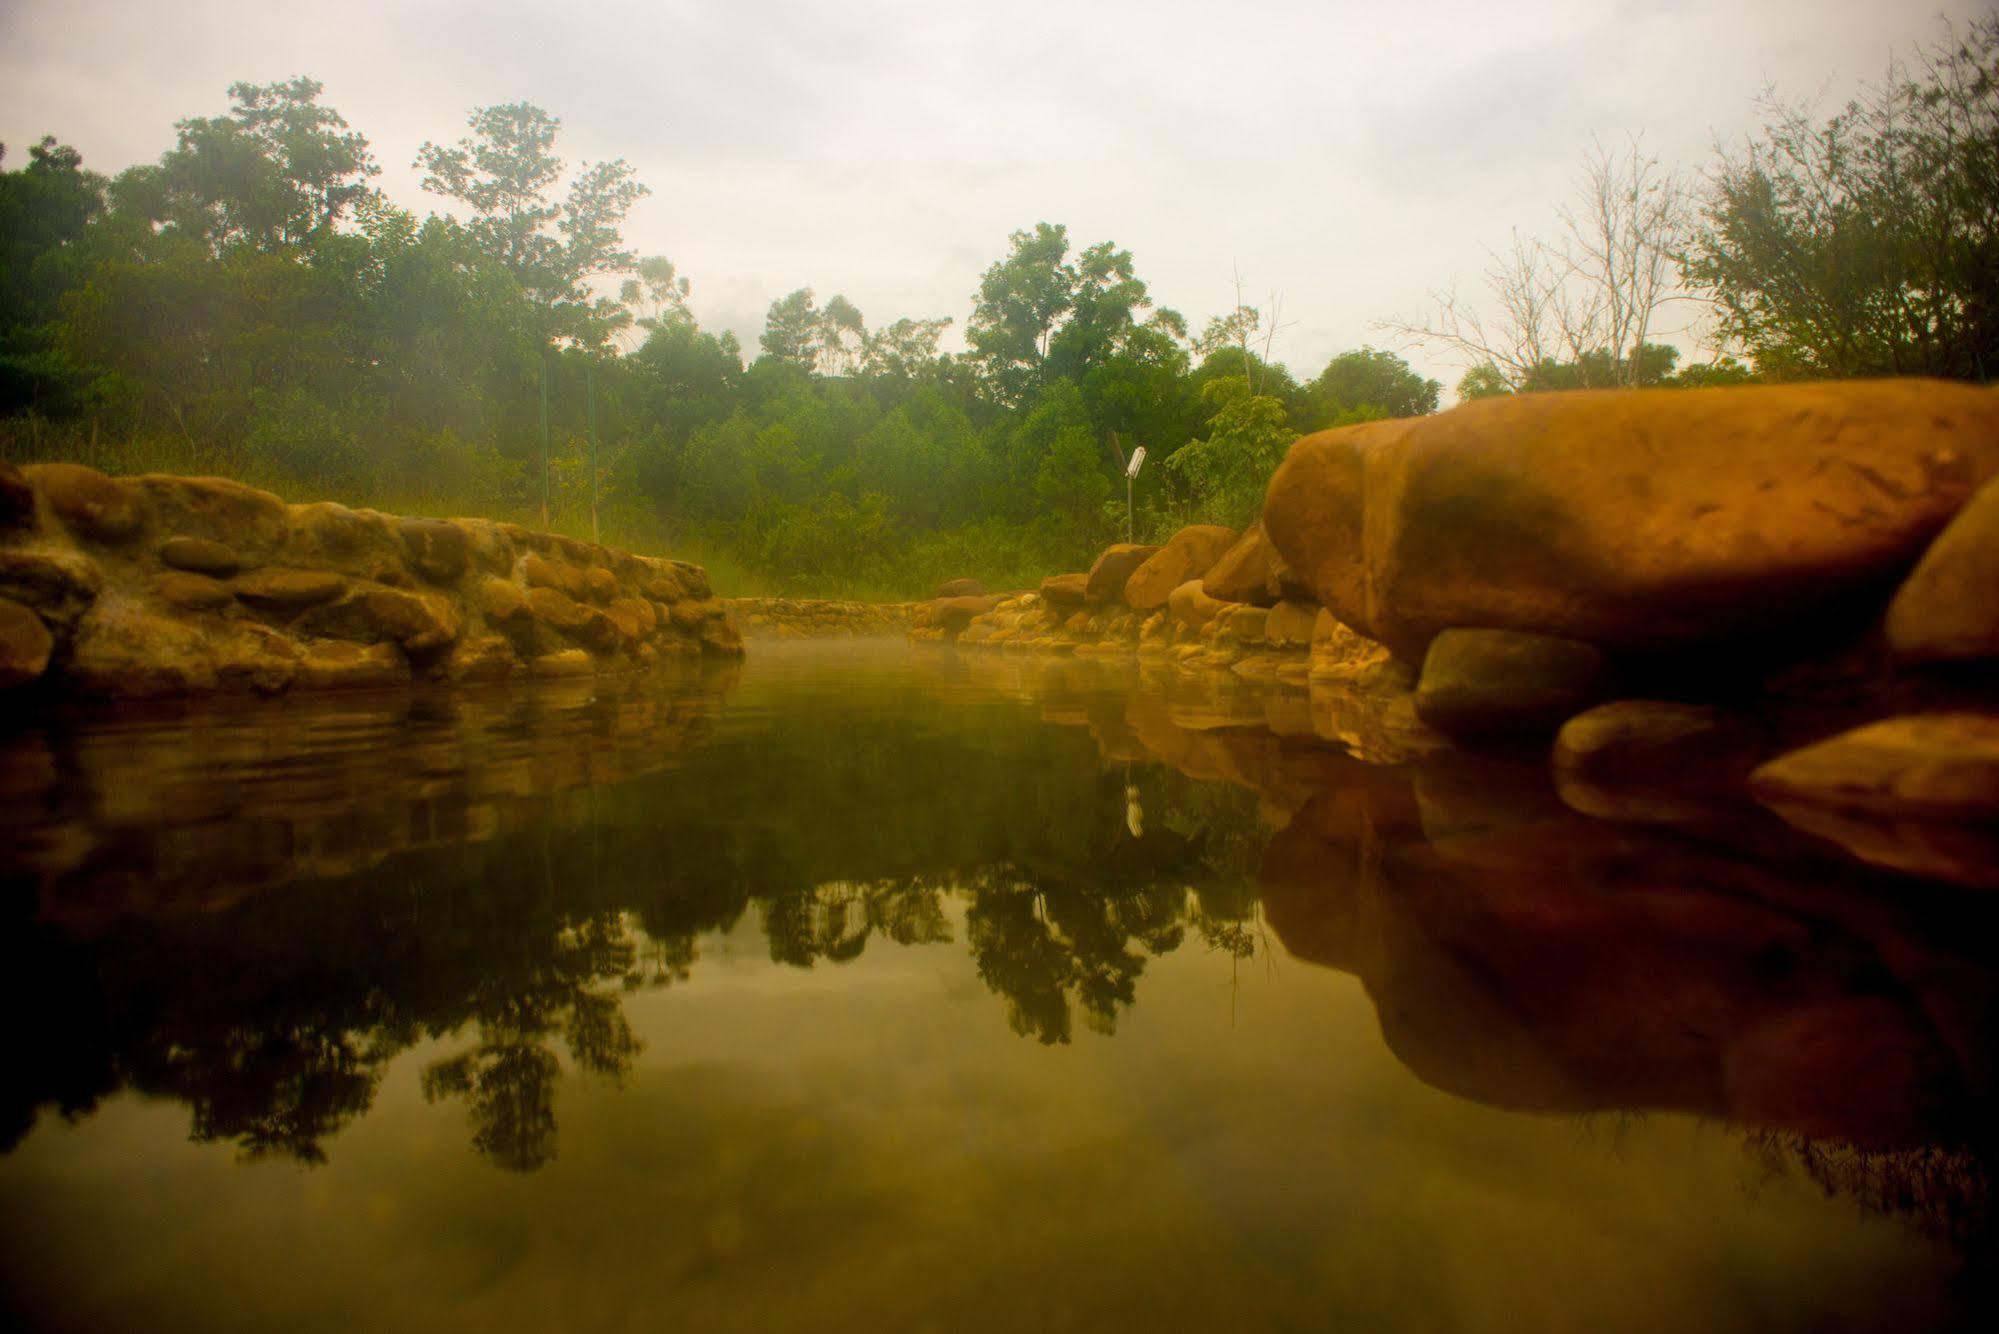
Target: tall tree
x=1368 y=381
x=1867 y=244
x=503 y=171
x=1594 y=297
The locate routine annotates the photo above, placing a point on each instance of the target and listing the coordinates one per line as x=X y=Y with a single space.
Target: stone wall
x=162 y=585
x=818 y=618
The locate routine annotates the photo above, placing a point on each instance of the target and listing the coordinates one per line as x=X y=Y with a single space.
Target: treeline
x=251 y=304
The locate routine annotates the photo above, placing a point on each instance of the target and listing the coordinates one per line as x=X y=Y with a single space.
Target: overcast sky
x=1351 y=156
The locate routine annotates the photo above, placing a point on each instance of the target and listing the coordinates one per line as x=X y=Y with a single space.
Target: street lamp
x=1131 y=475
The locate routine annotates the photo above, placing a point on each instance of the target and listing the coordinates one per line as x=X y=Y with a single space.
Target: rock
x=950 y=615
x=254 y=523
x=1341 y=655
x=438 y=550
x=1107 y=577
x=336 y=665
x=492 y=549
x=17 y=498
x=370 y=613
x=1927 y=765
x=565 y=662
x=662 y=584
x=584 y=624
x=1489 y=683
x=25 y=645
x=692 y=615
x=253 y=657
x=501 y=602
x=1654 y=741
x=58 y=584
x=1635 y=520
x=481 y=658
x=1239 y=624
x=634 y=617
x=1188 y=554
x=192 y=592
x=1948 y=608
x=90 y=504
x=1191 y=606
x=692 y=578
x=1962 y=852
x=539 y=572
x=355 y=542
x=283 y=589
x=1291 y=624
x=600 y=585
x=128 y=653
x=719 y=637
x=1065 y=590
x=198 y=555
x=1247 y=571
x=960 y=588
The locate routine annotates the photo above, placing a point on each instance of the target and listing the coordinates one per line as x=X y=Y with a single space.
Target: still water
x=867 y=987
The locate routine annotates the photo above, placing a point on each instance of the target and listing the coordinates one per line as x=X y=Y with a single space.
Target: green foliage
x=1367 y=381
x=1225 y=474
x=249 y=304
x=1867 y=244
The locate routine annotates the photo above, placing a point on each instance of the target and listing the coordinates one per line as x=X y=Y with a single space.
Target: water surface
x=873 y=987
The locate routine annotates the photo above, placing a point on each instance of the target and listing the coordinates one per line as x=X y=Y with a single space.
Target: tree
x=272 y=173
x=656 y=293
x=1869 y=244
x=791 y=330
x=46 y=209
x=1368 y=379
x=1226 y=474
x=903 y=349
x=1039 y=317
x=503 y=172
x=1592 y=299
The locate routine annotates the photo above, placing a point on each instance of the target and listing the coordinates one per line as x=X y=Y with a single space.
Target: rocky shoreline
x=1790 y=589
x=165 y=586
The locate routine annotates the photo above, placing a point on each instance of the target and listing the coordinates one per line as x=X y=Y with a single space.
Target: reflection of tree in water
x=1046 y=949
x=508 y=1079
x=275 y=1018
x=1944 y=1190
x=834 y=920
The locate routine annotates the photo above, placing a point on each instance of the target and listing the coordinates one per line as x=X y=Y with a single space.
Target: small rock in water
x=1492 y=683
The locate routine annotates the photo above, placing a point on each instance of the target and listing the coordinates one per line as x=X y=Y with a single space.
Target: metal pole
x=544 y=438
x=1127 y=508
x=590 y=397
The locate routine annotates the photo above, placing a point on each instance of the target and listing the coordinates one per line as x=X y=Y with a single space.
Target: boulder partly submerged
x=1639 y=521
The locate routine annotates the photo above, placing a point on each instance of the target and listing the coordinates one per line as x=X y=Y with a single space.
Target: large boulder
x=1191 y=605
x=1117 y=563
x=254 y=523
x=1065 y=590
x=91 y=505
x=1948 y=610
x=1188 y=554
x=1929 y=766
x=1488 y=683
x=1636 y=520
x=1247 y=571
x=960 y=588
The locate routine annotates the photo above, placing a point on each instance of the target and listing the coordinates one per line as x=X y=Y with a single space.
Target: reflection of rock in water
x=197 y=807
x=1527 y=957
